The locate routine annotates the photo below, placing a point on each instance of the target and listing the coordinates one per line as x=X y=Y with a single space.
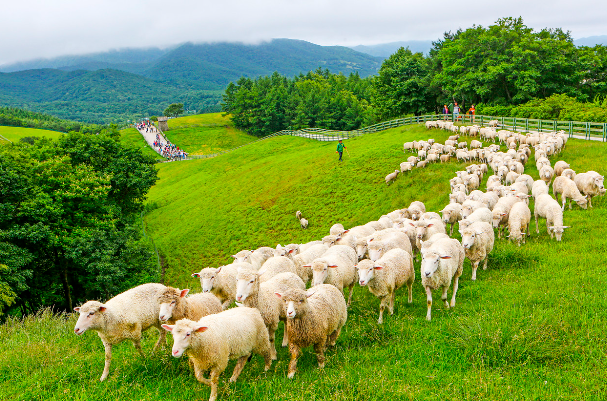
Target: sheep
x=315 y=317
x=559 y=167
x=548 y=208
x=546 y=174
x=489 y=199
x=444 y=158
x=408 y=146
x=478 y=240
x=539 y=188
x=469 y=206
x=492 y=182
x=413 y=160
x=442 y=263
x=337 y=229
x=527 y=179
x=480 y=214
x=302 y=221
x=493 y=123
x=452 y=213
x=475 y=195
x=174 y=305
x=391 y=177
x=518 y=222
x=215 y=339
x=276 y=265
x=253 y=293
x=568 y=173
x=386 y=275
x=422 y=164
x=221 y=281
x=336 y=267
x=511 y=177
x=590 y=184
x=568 y=190
x=519 y=188
x=123 y=317
x=424 y=229
x=406 y=166
x=416 y=209
x=457 y=197
x=474 y=144
x=256 y=257
x=500 y=213
x=472 y=182
x=421 y=154
x=349 y=236
x=303 y=259
x=380 y=244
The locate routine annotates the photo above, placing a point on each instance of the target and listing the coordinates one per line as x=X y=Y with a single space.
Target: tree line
x=69 y=221
x=16 y=117
x=503 y=69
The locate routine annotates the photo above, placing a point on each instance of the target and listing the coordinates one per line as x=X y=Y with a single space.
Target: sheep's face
x=247 y=284
x=464 y=223
x=447 y=215
x=466 y=211
x=366 y=271
x=430 y=264
x=295 y=302
x=168 y=302
x=468 y=238
x=329 y=240
x=497 y=218
x=557 y=231
x=91 y=316
x=582 y=202
x=207 y=278
x=361 y=249
x=183 y=331
x=242 y=256
x=598 y=181
x=376 y=250
x=320 y=272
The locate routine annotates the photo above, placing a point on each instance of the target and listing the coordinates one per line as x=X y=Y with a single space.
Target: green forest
x=505 y=69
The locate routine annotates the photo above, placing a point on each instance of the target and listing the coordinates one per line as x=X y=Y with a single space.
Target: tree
x=173 y=110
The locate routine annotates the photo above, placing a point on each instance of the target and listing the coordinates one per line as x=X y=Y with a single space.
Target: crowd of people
x=163 y=146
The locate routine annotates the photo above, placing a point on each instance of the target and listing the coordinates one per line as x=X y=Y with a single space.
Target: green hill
x=14 y=134
x=531 y=327
x=205 y=134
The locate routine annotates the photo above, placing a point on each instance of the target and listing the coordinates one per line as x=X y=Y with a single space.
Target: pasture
x=533 y=326
x=14 y=134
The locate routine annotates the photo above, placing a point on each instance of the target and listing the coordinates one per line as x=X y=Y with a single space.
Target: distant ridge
x=591 y=41
x=385 y=50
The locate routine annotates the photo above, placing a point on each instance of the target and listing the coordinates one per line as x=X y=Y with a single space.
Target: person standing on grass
x=472 y=111
x=455 y=112
x=445 y=112
x=340 y=149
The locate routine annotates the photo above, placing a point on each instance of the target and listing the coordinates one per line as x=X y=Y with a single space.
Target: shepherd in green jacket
x=340 y=149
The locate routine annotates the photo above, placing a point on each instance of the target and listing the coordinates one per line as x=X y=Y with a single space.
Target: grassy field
x=14 y=134
x=131 y=137
x=204 y=134
x=532 y=327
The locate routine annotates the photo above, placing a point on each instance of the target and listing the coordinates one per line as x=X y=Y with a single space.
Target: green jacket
x=340 y=147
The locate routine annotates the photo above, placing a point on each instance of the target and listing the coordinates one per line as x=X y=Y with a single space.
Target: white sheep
x=527 y=179
x=500 y=213
x=221 y=281
x=384 y=276
x=539 y=188
x=315 y=317
x=253 y=293
x=569 y=174
x=452 y=213
x=406 y=166
x=470 y=206
x=303 y=259
x=548 y=208
x=590 y=184
x=174 y=305
x=489 y=199
x=379 y=244
x=457 y=197
x=256 y=257
x=511 y=177
x=568 y=190
x=123 y=317
x=422 y=164
x=480 y=214
x=442 y=263
x=392 y=176
x=546 y=174
x=560 y=166
x=478 y=240
x=518 y=222
x=416 y=208
x=337 y=229
x=276 y=265
x=215 y=339
x=336 y=267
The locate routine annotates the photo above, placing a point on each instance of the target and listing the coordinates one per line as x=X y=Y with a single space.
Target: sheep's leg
x=392 y=298
x=272 y=333
x=108 y=360
x=570 y=203
x=137 y=342
x=161 y=339
x=382 y=306
x=589 y=201
x=350 y=290
x=429 y=302
x=333 y=337
x=410 y=290
x=444 y=296
x=198 y=373
x=226 y=304
x=285 y=337
x=293 y=363
x=485 y=264
x=455 y=286
x=319 y=348
x=452 y=224
x=214 y=381
x=537 y=228
x=474 y=267
x=238 y=368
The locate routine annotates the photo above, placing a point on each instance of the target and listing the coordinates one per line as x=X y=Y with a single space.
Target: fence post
x=570 y=129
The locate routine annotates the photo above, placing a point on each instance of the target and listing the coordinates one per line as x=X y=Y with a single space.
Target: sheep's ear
x=310 y=293
x=307 y=265
x=168 y=327
x=278 y=294
x=102 y=308
x=195 y=274
x=77 y=309
x=378 y=267
x=502 y=214
x=218 y=269
x=345 y=231
x=200 y=329
x=566 y=226
x=445 y=257
x=235 y=257
x=333 y=266
x=412 y=225
x=430 y=225
x=291 y=250
x=184 y=292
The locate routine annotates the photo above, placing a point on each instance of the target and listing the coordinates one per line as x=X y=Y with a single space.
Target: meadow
x=532 y=327
x=132 y=138
x=14 y=134
x=204 y=134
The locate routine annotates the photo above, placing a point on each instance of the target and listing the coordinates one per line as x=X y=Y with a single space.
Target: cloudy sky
x=43 y=28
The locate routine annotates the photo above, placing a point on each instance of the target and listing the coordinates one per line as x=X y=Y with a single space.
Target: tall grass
x=532 y=326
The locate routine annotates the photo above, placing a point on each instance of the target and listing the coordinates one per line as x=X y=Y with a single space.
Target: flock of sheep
x=269 y=284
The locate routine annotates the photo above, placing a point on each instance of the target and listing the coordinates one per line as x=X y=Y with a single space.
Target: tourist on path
x=340 y=149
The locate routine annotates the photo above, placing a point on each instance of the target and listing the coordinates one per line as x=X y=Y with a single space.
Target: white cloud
x=42 y=28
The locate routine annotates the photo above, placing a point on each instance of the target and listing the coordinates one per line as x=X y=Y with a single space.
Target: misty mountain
x=591 y=41
x=385 y=50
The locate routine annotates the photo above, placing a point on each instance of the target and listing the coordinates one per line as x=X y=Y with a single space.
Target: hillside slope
x=531 y=327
